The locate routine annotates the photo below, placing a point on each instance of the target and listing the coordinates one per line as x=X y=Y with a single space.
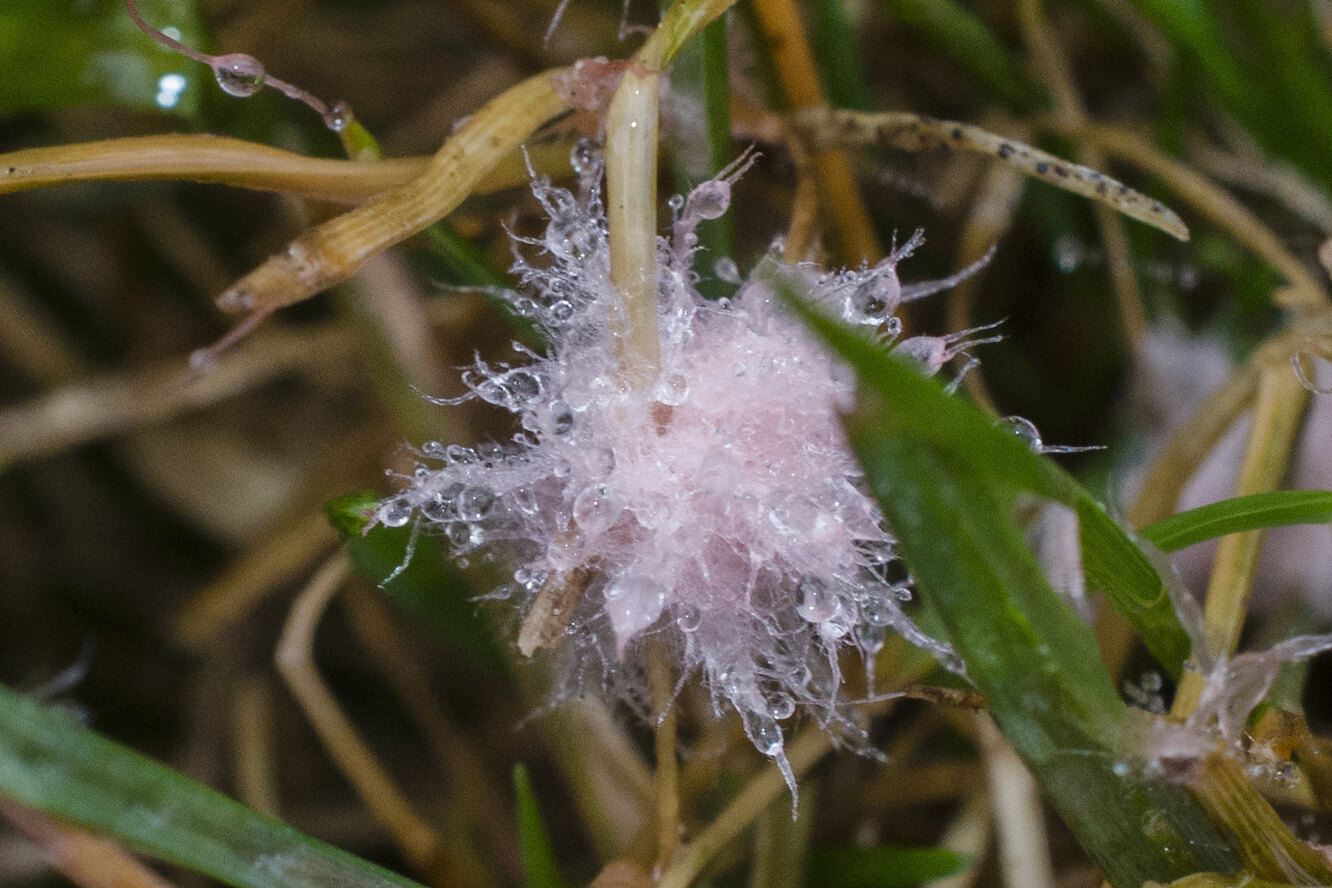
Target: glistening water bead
x=238 y=74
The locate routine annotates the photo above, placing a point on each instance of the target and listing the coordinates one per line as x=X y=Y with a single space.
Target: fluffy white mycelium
x=721 y=511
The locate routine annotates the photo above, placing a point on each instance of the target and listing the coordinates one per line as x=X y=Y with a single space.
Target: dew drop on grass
x=1024 y=429
x=238 y=74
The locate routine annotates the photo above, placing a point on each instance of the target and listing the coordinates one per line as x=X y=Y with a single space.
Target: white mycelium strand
x=718 y=509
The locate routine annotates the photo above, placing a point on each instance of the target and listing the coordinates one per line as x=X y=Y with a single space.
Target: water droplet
x=432 y=448
x=474 y=503
x=525 y=499
x=726 y=269
x=688 y=618
x=814 y=600
x=763 y=732
x=585 y=157
x=1025 y=429
x=871 y=638
x=238 y=74
x=561 y=467
x=877 y=611
x=633 y=603
x=395 y=513
x=781 y=705
x=1069 y=254
x=521 y=386
x=676 y=202
x=459 y=534
x=673 y=390
x=559 y=311
x=596 y=509
x=561 y=417
x=490 y=453
x=870 y=303
x=338 y=117
x=1121 y=769
x=710 y=200
x=460 y=454
x=893 y=326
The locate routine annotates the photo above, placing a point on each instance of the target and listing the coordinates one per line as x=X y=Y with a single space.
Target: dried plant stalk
x=631 y=187
x=912 y=132
x=227 y=161
x=334 y=251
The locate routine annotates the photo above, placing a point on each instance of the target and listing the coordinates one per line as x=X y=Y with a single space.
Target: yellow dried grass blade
x=825 y=127
x=226 y=161
x=335 y=250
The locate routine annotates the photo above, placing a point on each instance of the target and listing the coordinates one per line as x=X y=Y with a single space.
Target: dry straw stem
x=803 y=752
x=97 y=408
x=332 y=252
x=1024 y=850
x=1277 y=412
x=1304 y=291
x=631 y=187
x=252 y=744
x=1052 y=66
x=912 y=132
x=667 y=776
x=852 y=231
x=470 y=794
x=998 y=195
x=86 y=860
x=418 y=840
x=1267 y=847
x=227 y=161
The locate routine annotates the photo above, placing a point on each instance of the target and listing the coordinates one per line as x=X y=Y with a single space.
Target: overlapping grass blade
x=52 y=764
x=1279 y=508
x=916 y=406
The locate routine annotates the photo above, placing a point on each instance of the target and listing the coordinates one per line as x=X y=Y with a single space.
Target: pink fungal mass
x=719 y=513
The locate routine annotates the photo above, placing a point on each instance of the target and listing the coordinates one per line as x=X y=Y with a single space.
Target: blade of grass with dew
x=1029 y=654
x=883 y=867
x=538 y=853
x=959 y=33
x=416 y=576
x=59 y=53
x=1279 y=508
x=50 y=763
x=918 y=406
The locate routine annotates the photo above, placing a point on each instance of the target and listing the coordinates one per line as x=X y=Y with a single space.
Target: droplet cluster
x=717 y=511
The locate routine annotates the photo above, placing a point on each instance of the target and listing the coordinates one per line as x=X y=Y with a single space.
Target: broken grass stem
x=334 y=251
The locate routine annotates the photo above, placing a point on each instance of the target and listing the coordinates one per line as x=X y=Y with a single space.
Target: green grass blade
x=49 y=763
x=883 y=867
x=58 y=53
x=538 y=853
x=919 y=407
x=956 y=31
x=1278 y=508
x=1032 y=658
x=835 y=46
